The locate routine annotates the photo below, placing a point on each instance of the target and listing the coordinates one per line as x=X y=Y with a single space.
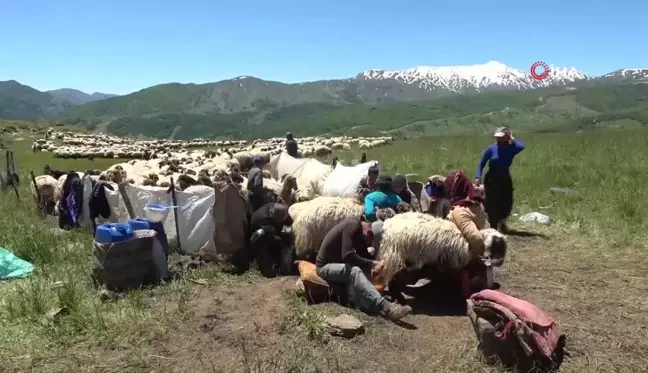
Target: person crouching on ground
x=467 y=211
x=343 y=259
x=255 y=184
x=368 y=182
x=468 y=214
x=272 y=247
x=498 y=182
x=399 y=185
x=439 y=201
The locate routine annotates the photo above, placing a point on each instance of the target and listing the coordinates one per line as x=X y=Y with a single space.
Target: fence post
x=175 y=213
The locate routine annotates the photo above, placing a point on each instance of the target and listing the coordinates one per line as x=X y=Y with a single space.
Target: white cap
x=501 y=132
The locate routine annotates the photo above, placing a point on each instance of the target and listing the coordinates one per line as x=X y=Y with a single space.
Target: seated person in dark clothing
x=343 y=259
x=368 y=182
x=399 y=185
x=272 y=247
x=291 y=145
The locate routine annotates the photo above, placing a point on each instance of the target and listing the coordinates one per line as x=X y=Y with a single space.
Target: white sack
x=344 y=180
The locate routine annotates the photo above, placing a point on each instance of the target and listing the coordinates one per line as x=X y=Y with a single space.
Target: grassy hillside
x=581 y=268
x=538 y=110
x=18 y=101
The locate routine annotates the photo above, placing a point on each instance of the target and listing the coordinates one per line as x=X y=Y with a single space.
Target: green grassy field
x=588 y=271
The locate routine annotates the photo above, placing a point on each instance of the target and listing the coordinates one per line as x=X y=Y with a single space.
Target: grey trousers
x=362 y=293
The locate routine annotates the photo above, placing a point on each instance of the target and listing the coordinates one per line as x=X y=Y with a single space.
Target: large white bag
x=344 y=180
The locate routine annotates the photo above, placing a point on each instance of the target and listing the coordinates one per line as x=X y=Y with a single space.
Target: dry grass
x=588 y=271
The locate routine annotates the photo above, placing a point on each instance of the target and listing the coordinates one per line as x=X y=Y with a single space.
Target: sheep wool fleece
x=362 y=293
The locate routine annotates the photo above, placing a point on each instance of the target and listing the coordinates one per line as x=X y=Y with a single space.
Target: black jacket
x=269 y=219
x=345 y=243
x=291 y=147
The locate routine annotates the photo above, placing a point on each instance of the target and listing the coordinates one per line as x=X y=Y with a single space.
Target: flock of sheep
x=159 y=162
x=80 y=145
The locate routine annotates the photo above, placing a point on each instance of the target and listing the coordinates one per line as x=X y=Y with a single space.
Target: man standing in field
x=498 y=183
x=291 y=145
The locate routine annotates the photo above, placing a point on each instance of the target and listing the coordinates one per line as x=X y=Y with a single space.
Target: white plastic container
x=489 y=274
x=156 y=213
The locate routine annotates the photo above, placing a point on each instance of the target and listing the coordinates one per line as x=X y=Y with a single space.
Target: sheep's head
x=290 y=180
x=495 y=246
x=402 y=207
x=385 y=213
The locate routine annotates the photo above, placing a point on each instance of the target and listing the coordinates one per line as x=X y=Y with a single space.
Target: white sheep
x=49 y=192
x=322 y=150
x=312 y=220
x=413 y=240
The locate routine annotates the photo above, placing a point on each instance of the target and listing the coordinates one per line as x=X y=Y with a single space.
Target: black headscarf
x=384 y=183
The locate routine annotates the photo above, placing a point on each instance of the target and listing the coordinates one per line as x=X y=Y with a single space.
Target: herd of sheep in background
x=186 y=163
x=89 y=146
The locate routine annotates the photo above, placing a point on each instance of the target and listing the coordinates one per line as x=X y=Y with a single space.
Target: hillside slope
x=536 y=110
x=18 y=101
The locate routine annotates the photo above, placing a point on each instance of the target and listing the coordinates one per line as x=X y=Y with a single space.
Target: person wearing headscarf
x=255 y=184
x=291 y=145
x=272 y=247
x=439 y=201
x=383 y=197
x=368 y=181
x=399 y=185
x=498 y=183
x=467 y=211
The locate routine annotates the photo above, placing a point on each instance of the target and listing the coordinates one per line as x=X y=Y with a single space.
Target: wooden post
x=14 y=176
x=175 y=213
x=121 y=187
x=38 y=197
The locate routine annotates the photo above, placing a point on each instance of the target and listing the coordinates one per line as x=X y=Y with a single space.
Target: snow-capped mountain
x=479 y=78
x=636 y=75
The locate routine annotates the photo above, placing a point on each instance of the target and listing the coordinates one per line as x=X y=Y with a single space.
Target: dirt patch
x=225 y=322
x=241 y=327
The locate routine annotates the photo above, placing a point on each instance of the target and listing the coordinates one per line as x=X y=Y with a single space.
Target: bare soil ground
x=263 y=327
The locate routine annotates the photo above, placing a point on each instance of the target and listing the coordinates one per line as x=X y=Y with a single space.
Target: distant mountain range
x=19 y=101
x=246 y=106
x=76 y=97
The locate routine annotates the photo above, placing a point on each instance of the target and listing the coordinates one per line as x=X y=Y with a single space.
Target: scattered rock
x=109 y=296
x=564 y=191
x=535 y=217
x=56 y=313
x=59 y=231
x=345 y=326
x=199 y=281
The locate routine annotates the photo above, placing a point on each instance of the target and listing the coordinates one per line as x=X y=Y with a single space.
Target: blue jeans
x=362 y=293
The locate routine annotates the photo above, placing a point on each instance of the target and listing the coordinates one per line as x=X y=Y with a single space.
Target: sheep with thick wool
x=313 y=219
x=413 y=240
x=49 y=192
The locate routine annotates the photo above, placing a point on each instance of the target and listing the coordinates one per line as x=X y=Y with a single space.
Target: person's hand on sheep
x=377 y=267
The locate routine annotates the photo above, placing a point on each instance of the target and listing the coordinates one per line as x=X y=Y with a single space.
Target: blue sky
x=122 y=46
